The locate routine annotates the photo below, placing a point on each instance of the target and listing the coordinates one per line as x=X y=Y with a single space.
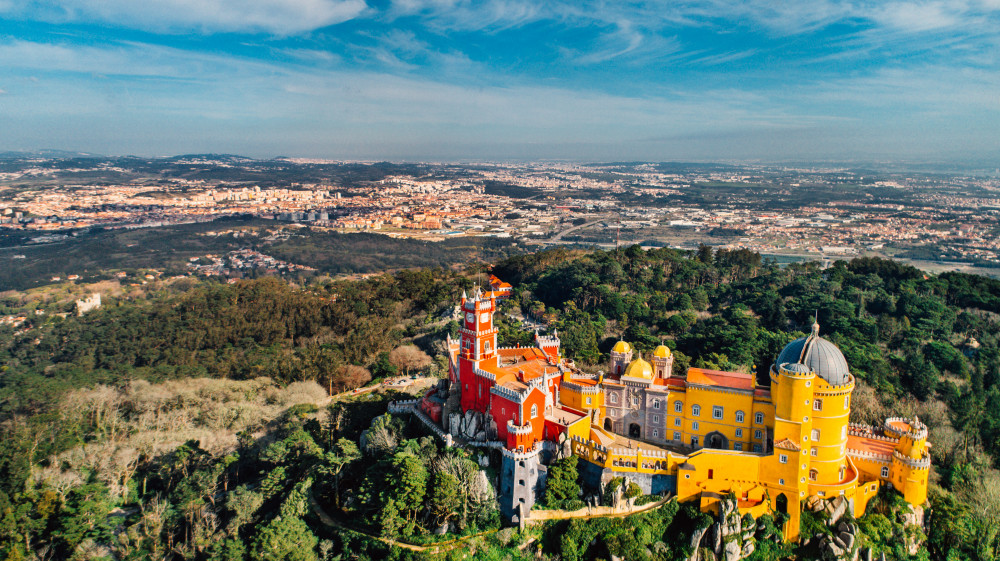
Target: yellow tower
x=911 y=461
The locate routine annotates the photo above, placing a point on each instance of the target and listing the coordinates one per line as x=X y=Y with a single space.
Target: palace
x=701 y=435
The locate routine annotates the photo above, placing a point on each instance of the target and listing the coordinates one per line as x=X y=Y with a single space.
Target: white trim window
x=678 y=407
x=758 y=434
x=696 y=410
x=534 y=411
x=717 y=412
x=739 y=433
x=656 y=404
x=885 y=471
x=758 y=418
x=783 y=458
x=739 y=416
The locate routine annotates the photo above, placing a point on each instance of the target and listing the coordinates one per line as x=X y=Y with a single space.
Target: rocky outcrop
x=730 y=538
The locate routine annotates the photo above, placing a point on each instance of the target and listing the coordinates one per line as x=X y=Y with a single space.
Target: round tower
x=911 y=462
x=824 y=404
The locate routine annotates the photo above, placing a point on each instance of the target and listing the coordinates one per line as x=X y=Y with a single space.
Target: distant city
x=939 y=220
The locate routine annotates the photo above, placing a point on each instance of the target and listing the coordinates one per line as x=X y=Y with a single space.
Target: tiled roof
x=735 y=380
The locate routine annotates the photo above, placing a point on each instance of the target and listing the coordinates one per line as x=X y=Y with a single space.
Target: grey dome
x=795 y=368
x=820 y=355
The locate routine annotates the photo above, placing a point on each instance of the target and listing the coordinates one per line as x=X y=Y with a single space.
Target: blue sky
x=503 y=79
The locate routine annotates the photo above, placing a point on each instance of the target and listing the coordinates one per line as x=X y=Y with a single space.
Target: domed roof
x=662 y=351
x=819 y=355
x=639 y=368
x=622 y=347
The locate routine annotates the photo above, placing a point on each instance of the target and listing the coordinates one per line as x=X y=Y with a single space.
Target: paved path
x=536 y=516
x=439 y=547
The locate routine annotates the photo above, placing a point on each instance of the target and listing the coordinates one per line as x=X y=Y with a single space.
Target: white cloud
x=281 y=17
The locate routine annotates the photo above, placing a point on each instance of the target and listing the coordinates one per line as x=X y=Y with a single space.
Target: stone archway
x=716 y=440
x=607 y=425
x=634 y=430
x=781 y=504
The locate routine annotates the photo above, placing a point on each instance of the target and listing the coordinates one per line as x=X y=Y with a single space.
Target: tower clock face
x=470 y=317
x=484 y=317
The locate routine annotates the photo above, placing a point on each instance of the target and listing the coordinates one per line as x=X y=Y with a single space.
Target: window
x=885 y=471
x=756 y=448
x=781 y=482
x=635 y=402
x=847 y=401
x=590 y=400
x=817 y=405
x=739 y=416
x=815 y=435
x=678 y=407
x=520 y=482
x=487 y=346
x=656 y=433
x=813 y=475
x=758 y=418
x=813 y=452
x=843 y=432
x=614 y=398
x=677 y=421
x=739 y=433
x=694 y=425
x=783 y=458
x=716 y=412
x=656 y=404
x=656 y=418
x=534 y=411
x=696 y=410
x=738 y=446
x=677 y=436
x=758 y=434
x=694 y=441
x=480 y=389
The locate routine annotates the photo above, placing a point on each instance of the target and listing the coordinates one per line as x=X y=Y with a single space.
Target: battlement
x=509 y=394
x=917 y=430
x=484 y=374
x=865 y=455
x=868 y=432
x=922 y=463
x=520 y=430
x=579 y=388
x=521 y=454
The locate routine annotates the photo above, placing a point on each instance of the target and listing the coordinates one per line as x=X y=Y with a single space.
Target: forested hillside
x=191 y=423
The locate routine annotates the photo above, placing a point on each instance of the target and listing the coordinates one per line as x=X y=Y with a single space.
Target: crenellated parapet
x=521 y=454
x=520 y=430
x=509 y=394
x=872 y=456
x=914 y=463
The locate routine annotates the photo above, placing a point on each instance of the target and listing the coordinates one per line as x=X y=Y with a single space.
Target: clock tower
x=477 y=350
x=479 y=336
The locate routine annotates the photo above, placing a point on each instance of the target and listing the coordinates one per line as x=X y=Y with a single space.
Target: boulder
x=748 y=549
x=696 y=537
x=848 y=540
x=732 y=551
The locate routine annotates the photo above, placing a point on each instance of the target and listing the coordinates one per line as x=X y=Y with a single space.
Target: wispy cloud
x=281 y=17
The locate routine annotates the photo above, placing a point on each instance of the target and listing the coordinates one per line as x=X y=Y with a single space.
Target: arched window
x=739 y=416
x=758 y=418
x=614 y=398
x=813 y=475
x=696 y=410
x=656 y=404
x=534 y=411
x=885 y=471
x=487 y=346
x=678 y=407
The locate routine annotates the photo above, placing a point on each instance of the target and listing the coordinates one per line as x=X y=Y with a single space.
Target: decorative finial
x=815 y=326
